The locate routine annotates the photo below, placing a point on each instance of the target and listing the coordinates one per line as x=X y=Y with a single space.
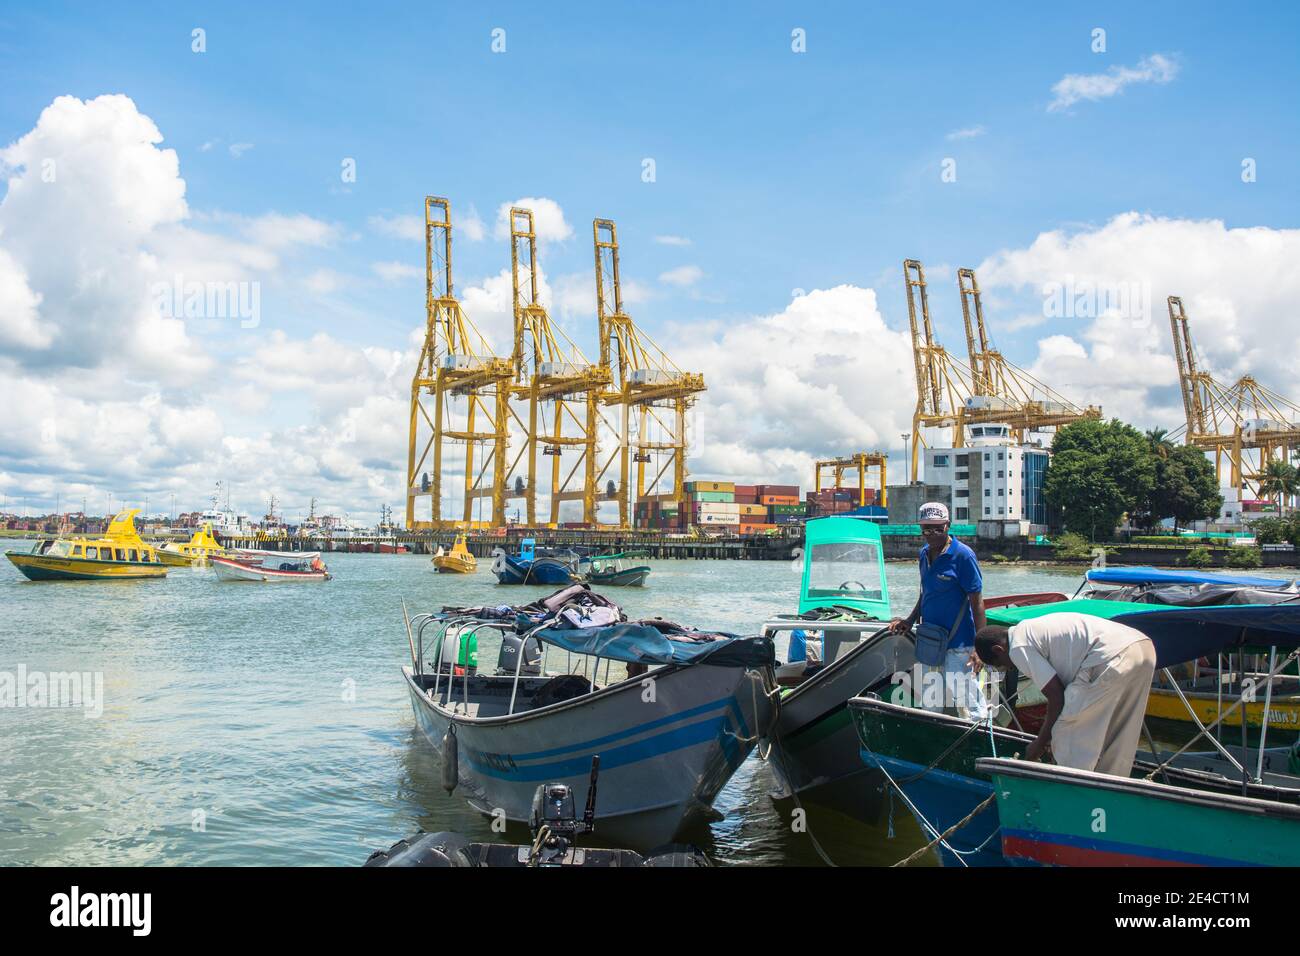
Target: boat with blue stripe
x=669 y=731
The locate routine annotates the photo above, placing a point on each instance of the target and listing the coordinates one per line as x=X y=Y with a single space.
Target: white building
x=991 y=478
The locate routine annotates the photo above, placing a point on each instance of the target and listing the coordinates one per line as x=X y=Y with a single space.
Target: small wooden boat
x=272 y=567
x=456 y=561
x=1058 y=816
x=608 y=570
x=193 y=553
x=121 y=554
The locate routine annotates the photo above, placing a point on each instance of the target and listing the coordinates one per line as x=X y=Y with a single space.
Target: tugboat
x=121 y=554
x=456 y=561
x=533 y=567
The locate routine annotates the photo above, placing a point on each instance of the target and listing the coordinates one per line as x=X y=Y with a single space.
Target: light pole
x=907 y=459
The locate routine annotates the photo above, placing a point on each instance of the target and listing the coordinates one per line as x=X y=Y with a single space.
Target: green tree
x=1279 y=481
x=1098 y=471
x=1159 y=441
x=1186 y=489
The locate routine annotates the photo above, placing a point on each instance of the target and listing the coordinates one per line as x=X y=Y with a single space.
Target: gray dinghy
x=668 y=738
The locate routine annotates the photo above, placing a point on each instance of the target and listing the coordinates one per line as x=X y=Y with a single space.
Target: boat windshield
x=845 y=569
x=61 y=549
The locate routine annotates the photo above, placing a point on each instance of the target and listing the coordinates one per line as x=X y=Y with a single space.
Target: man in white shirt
x=1096 y=675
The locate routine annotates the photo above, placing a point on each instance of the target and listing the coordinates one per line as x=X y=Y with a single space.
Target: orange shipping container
x=779 y=499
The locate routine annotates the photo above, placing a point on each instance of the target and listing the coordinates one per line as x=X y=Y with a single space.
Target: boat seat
x=561 y=688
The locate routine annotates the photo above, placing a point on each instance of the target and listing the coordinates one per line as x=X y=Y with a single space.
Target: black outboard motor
x=554 y=820
x=508 y=657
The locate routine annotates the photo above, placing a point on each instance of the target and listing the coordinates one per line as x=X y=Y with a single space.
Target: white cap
x=932 y=512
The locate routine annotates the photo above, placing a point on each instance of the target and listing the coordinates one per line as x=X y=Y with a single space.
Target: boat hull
x=44 y=567
x=815 y=751
x=542 y=571
x=905 y=743
x=454 y=564
x=627 y=578
x=228 y=570
x=662 y=762
x=1059 y=817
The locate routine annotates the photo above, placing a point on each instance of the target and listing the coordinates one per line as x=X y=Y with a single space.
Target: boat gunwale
x=1033 y=770
x=840 y=663
x=630 y=683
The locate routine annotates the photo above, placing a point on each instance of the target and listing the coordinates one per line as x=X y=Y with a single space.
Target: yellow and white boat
x=193 y=553
x=456 y=561
x=121 y=554
x=1283 y=705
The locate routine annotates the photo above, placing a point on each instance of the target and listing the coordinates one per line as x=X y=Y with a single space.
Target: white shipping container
x=717 y=507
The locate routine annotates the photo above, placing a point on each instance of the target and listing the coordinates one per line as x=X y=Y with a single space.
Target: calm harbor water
x=251 y=725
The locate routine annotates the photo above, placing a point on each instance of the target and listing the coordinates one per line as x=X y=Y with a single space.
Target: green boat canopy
x=844 y=566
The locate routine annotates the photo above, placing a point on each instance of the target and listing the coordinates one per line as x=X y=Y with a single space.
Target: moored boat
x=609 y=570
x=668 y=737
x=272 y=567
x=120 y=554
x=196 y=552
x=456 y=561
x=1058 y=816
x=531 y=566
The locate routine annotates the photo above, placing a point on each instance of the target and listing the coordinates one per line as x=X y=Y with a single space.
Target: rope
x=942 y=837
x=543 y=832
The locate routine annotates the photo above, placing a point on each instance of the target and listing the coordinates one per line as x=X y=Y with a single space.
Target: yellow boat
x=456 y=561
x=193 y=553
x=1283 y=709
x=121 y=554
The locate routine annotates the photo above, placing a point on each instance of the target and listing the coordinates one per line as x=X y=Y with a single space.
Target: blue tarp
x=642 y=644
x=1186 y=633
x=1159 y=576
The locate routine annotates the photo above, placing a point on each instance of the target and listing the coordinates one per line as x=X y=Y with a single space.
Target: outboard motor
x=554 y=821
x=512 y=645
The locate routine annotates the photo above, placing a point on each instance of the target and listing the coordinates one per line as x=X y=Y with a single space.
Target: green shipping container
x=715 y=496
x=789 y=509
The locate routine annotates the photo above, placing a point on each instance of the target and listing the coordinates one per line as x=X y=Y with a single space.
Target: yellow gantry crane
x=551 y=375
x=1245 y=424
x=455 y=362
x=990 y=389
x=862 y=462
x=652 y=394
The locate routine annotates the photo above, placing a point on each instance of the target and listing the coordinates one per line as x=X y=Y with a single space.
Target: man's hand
x=976 y=665
x=1037 y=747
x=899 y=625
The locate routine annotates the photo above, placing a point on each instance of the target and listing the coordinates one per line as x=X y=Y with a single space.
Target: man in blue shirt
x=951 y=590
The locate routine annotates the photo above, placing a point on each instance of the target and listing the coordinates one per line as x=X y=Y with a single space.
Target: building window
x=963 y=513
x=1000 y=492
x=1001 y=475
x=986 y=456
x=1000 y=511
x=999 y=456
x=988 y=474
x=963 y=475
x=962 y=493
x=941 y=461
x=962 y=460
x=986 y=509
x=988 y=492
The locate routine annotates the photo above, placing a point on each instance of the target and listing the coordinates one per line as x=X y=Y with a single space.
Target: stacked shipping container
x=725 y=508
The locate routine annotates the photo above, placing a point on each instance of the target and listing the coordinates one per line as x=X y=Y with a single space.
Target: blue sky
x=784 y=170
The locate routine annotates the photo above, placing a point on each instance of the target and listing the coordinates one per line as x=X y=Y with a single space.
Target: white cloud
x=1073 y=87
x=470 y=226
x=548 y=219
x=672 y=240
x=970 y=132
x=239 y=149
x=324 y=281
x=404 y=226
x=1237 y=286
x=396 y=271
x=278 y=231
x=682 y=276
x=825 y=376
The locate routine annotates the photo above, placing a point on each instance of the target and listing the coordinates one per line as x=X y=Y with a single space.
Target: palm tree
x=1280 y=481
x=1158 y=438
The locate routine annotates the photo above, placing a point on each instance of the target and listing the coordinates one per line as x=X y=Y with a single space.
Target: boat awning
x=1182 y=633
x=1160 y=576
x=635 y=643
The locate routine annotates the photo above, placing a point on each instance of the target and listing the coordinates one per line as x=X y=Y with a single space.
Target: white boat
x=272 y=566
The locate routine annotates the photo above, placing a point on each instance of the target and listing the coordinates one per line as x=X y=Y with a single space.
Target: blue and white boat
x=669 y=736
x=533 y=567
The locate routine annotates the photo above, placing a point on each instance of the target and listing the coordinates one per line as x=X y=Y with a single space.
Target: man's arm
x=977 y=608
x=900 y=624
x=1054 y=691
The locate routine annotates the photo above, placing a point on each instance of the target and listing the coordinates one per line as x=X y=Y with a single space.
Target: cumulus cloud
x=395 y=271
x=404 y=226
x=1236 y=284
x=969 y=132
x=825 y=376
x=548 y=219
x=1073 y=87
